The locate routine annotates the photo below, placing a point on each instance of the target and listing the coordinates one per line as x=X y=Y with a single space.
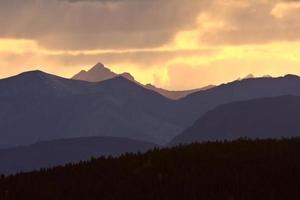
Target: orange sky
x=172 y=44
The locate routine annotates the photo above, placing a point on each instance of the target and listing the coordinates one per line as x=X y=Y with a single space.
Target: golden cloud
x=173 y=44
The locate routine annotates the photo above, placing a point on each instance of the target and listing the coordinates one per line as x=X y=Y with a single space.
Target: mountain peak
x=34 y=73
x=99 y=68
x=100 y=73
x=33 y=84
x=97 y=73
x=99 y=64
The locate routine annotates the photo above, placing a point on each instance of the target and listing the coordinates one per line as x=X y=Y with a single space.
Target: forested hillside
x=242 y=169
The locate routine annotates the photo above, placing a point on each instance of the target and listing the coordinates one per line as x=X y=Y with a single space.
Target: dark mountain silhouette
x=59 y=152
x=242 y=169
x=37 y=106
x=100 y=73
x=195 y=105
x=274 y=117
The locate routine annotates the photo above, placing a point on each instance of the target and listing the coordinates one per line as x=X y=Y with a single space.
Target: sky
x=174 y=44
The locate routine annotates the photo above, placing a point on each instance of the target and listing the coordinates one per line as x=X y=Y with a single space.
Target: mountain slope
x=259 y=118
x=60 y=152
x=37 y=106
x=195 y=105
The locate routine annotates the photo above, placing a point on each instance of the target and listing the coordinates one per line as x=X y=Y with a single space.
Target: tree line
x=232 y=170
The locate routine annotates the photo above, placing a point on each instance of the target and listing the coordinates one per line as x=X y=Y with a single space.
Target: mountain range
x=36 y=106
x=100 y=73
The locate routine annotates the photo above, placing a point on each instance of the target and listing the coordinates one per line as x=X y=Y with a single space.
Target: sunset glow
x=218 y=41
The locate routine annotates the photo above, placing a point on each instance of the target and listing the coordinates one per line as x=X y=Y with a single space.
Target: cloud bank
x=157 y=40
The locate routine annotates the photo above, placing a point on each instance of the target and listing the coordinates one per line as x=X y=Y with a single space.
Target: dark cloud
x=129 y=24
x=104 y=1
x=63 y=25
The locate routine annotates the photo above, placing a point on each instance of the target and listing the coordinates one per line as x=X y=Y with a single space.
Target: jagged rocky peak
x=99 y=67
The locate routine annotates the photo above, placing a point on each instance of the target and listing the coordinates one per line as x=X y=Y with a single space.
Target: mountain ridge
x=272 y=117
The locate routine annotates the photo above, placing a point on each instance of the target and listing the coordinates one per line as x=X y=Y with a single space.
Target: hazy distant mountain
x=99 y=73
x=195 y=105
x=274 y=117
x=37 y=106
x=59 y=152
x=176 y=94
